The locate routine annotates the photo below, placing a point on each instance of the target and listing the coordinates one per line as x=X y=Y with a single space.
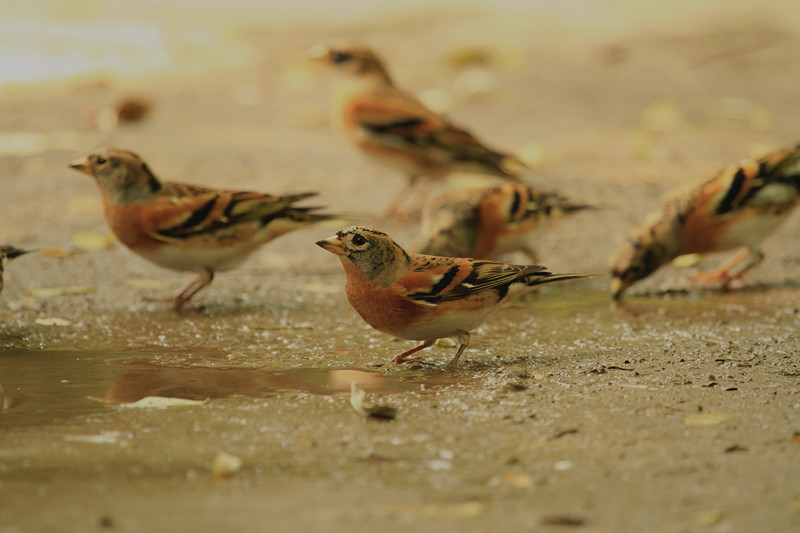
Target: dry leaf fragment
x=58 y=253
x=225 y=465
x=707 y=419
x=47 y=292
x=90 y=242
x=518 y=481
x=383 y=412
x=446 y=342
x=469 y=56
x=154 y=401
x=532 y=154
x=105 y=437
x=686 y=260
x=163 y=401
x=563 y=465
x=53 y=321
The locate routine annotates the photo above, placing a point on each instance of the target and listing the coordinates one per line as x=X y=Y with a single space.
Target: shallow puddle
x=45 y=387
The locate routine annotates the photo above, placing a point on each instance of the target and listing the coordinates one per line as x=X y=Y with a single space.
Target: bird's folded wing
x=771 y=181
x=781 y=162
x=176 y=218
x=397 y=115
x=461 y=278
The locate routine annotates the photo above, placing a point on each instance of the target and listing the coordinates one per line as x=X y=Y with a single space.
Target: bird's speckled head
x=122 y=174
x=353 y=60
x=643 y=252
x=371 y=251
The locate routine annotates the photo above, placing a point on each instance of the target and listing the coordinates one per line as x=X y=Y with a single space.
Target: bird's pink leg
x=404 y=357
x=463 y=339
x=724 y=271
x=190 y=290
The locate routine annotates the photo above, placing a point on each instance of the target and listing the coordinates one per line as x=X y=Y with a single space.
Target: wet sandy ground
x=679 y=413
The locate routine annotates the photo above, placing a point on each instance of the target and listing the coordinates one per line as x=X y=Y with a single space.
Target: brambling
x=738 y=207
x=7 y=253
x=486 y=222
x=394 y=128
x=425 y=297
x=188 y=227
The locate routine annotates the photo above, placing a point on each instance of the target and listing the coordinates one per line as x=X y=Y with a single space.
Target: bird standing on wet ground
x=188 y=227
x=392 y=127
x=7 y=253
x=424 y=297
x=486 y=222
x=738 y=207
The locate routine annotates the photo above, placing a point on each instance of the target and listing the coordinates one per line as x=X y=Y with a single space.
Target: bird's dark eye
x=101 y=160
x=359 y=240
x=340 y=57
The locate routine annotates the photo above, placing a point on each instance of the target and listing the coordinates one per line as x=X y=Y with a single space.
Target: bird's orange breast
x=491 y=225
x=126 y=221
x=703 y=229
x=383 y=308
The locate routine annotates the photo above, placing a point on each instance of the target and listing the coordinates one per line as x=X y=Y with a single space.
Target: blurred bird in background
x=486 y=222
x=392 y=127
x=738 y=207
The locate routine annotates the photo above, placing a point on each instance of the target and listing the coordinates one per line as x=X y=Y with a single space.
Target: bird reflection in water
x=143 y=378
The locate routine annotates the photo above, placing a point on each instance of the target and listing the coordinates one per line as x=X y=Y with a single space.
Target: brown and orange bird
x=7 y=253
x=424 y=297
x=485 y=222
x=738 y=207
x=392 y=127
x=188 y=227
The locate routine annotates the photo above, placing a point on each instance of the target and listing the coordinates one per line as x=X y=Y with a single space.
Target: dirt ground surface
x=679 y=412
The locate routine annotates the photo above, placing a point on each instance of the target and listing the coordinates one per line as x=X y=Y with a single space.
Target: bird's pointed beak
x=617 y=288
x=332 y=244
x=83 y=165
x=319 y=53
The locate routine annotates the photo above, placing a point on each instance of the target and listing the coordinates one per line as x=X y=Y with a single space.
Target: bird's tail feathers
x=543 y=278
x=11 y=251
